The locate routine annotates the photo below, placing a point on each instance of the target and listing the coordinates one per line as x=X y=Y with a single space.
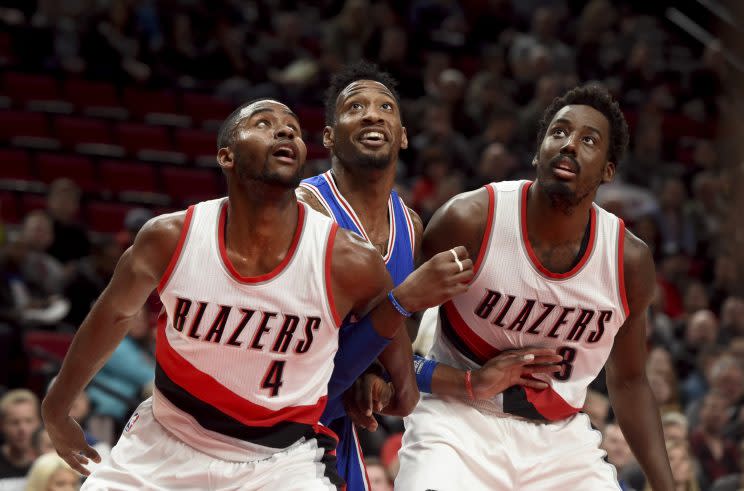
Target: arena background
x=108 y=116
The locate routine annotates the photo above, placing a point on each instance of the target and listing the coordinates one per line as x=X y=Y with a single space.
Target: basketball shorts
x=147 y=457
x=451 y=446
x=349 y=456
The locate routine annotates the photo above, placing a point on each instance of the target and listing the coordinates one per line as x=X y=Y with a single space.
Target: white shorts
x=147 y=457
x=451 y=446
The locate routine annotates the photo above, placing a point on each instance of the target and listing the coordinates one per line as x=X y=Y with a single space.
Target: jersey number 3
x=569 y=355
x=273 y=378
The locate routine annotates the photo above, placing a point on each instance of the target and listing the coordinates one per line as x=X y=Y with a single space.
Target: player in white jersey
x=553 y=270
x=254 y=287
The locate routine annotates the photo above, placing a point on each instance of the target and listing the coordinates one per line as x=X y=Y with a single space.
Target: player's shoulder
x=306 y=196
x=353 y=250
x=636 y=253
x=464 y=208
x=638 y=270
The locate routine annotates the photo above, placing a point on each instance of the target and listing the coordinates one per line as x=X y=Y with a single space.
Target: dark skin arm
x=136 y=275
x=630 y=395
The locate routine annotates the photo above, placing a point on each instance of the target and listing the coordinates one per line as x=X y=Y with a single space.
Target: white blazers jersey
x=243 y=363
x=514 y=302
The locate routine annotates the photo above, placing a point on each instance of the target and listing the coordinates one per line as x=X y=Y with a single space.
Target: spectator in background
x=675 y=426
x=389 y=454
x=19 y=410
x=717 y=454
x=732 y=482
x=378 y=476
x=496 y=164
x=725 y=284
x=701 y=331
x=682 y=467
x=119 y=386
x=90 y=277
x=597 y=407
x=41 y=441
x=677 y=232
x=70 y=237
x=438 y=131
x=51 y=473
x=618 y=451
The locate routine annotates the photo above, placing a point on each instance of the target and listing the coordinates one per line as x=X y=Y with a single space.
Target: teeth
x=373 y=135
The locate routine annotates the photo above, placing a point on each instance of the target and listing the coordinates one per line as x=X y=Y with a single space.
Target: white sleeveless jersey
x=243 y=363
x=514 y=302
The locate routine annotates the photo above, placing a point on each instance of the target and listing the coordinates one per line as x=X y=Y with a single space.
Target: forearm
x=95 y=341
x=638 y=416
x=396 y=359
x=449 y=382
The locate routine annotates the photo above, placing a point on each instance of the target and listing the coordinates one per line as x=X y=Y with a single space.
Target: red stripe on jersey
x=328 y=276
x=206 y=388
x=324 y=430
x=279 y=268
x=411 y=229
x=531 y=253
x=360 y=456
x=550 y=404
x=621 y=266
x=487 y=233
x=475 y=343
x=177 y=252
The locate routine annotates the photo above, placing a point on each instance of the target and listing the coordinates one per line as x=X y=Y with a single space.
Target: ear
x=404 y=138
x=225 y=159
x=328 y=137
x=534 y=161
x=609 y=172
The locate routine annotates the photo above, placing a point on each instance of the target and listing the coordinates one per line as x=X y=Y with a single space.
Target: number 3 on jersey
x=569 y=355
x=273 y=378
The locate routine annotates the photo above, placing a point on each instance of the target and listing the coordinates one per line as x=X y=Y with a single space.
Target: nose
x=569 y=145
x=372 y=115
x=285 y=131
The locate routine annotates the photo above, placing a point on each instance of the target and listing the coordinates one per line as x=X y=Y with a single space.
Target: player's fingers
x=535 y=384
x=74 y=462
x=541 y=369
x=91 y=453
x=462 y=252
x=366 y=396
x=547 y=359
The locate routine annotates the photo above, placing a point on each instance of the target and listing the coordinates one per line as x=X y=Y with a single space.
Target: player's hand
x=437 y=280
x=369 y=394
x=514 y=368
x=69 y=441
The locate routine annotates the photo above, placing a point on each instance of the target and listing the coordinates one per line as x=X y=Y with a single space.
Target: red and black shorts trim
x=328 y=441
x=279 y=436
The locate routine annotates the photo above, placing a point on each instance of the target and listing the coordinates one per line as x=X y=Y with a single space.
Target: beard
x=562 y=196
x=265 y=175
x=352 y=156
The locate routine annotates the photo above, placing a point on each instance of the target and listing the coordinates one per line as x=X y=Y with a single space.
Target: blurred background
x=108 y=116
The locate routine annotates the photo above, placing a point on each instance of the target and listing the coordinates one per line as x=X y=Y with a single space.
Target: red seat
x=9 y=212
x=119 y=176
x=141 y=102
x=84 y=93
x=31 y=202
x=135 y=137
x=46 y=347
x=202 y=107
x=189 y=185
x=25 y=87
x=78 y=168
x=196 y=143
x=15 y=164
x=73 y=130
x=106 y=217
x=22 y=123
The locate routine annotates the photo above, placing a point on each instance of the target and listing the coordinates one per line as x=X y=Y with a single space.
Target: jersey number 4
x=273 y=378
x=569 y=355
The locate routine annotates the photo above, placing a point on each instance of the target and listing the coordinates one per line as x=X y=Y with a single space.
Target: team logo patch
x=131 y=422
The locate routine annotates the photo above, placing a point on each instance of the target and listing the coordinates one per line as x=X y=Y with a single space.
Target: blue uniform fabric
x=359 y=344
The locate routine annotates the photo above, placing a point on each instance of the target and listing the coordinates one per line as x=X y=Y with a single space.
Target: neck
x=18 y=457
x=548 y=223
x=366 y=190
x=255 y=217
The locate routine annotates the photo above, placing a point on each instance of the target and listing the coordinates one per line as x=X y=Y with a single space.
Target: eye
x=356 y=106
x=589 y=140
x=263 y=123
x=559 y=132
x=387 y=106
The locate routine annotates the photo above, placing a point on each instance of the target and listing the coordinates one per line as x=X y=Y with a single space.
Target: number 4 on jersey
x=273 y=378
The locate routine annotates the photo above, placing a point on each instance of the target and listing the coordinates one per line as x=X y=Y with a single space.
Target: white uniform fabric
x=148 y=458
x=514 y=302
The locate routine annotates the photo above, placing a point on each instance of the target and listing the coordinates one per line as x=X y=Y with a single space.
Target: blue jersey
x=359 y=345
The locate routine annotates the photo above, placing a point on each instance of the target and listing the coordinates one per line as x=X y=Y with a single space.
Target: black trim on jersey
x=453 y=338
x=279 y=436
x=329 y=461
x=515 y=402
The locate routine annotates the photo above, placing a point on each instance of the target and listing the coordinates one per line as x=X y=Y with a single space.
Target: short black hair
x=361 y=70
x=226 y=133
x=600 y=99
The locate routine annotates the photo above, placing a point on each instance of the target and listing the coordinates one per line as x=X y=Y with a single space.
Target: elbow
x=408 y=401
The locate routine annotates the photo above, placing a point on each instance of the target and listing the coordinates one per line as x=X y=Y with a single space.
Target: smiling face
x=267 y=146
x=572 y=158
x=367 y=132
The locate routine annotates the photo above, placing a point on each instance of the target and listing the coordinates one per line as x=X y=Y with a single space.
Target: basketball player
x=365 y=134
x=254 y=287
x=553 y=270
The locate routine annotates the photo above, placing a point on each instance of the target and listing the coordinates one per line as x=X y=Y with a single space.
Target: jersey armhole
x=621 y=266
x=312 y=189
x=177 y=253
x=487 y=232
x=328 y=276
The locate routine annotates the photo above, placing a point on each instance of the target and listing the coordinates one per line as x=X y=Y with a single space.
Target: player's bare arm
x=630 y=394
x=309 y=199
x=137 y=274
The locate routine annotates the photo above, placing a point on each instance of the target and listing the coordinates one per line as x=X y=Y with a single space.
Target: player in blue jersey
x=364 y=135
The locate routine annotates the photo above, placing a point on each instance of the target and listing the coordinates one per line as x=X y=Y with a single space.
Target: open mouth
x=285 y=153
x=565 y=169
x=373 y=138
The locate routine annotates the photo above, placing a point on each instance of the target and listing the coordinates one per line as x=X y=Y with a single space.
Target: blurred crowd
x=474 y=78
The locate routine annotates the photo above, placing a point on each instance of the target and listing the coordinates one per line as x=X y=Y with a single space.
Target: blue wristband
x=424 y=372
x=398 y=306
